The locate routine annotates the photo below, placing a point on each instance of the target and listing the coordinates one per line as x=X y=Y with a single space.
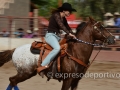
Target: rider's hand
x=72 y=35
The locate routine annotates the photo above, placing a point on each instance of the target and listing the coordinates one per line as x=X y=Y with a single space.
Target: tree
x=85 y=8
x=45 y=7
x=39 y=2
x=95 y=8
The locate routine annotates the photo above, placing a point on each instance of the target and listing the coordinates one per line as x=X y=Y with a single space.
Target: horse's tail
x=6 y=56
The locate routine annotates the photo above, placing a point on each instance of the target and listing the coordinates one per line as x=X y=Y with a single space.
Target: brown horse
x=71 y=71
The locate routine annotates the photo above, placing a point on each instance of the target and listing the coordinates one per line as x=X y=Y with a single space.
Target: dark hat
x=67 y=6
x=21 y=29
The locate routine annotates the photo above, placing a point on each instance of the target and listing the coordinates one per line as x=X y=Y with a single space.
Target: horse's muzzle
x=111 y=40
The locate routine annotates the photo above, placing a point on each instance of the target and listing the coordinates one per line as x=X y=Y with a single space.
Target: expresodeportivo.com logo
x=93 y=75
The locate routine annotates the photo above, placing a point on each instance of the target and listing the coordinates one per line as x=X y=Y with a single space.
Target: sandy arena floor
x=110 y=81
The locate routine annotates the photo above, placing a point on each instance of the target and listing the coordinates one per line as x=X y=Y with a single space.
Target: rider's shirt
x=57 y=23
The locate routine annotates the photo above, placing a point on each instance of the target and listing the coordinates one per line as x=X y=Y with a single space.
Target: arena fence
x=12 y=24
x=38 y=25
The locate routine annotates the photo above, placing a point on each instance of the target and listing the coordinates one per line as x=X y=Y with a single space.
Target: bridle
x=95 y=27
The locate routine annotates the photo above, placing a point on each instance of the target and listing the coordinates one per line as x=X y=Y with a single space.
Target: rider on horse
x=52 y=37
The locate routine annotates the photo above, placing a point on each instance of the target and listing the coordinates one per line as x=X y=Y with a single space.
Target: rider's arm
x=67 y=26
x=60 y=23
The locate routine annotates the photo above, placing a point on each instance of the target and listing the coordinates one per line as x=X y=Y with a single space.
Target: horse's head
x=100 y=33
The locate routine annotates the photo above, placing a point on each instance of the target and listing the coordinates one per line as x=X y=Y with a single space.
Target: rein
x=94 y=57
x=89 y=43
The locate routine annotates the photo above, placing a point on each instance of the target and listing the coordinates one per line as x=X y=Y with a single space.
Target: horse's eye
x=101 y=27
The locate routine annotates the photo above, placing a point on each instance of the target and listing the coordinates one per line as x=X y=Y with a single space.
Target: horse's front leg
x=74 y=85
x=66 y=84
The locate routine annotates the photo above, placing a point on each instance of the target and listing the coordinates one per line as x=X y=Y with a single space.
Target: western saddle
x=45 y=49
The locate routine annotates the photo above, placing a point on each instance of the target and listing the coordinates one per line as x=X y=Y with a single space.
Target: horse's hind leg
x=12 y=83
x=20 y=78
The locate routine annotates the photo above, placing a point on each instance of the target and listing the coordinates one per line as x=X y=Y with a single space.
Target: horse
x=81 y=49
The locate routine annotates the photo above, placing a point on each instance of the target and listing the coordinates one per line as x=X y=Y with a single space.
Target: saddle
x=45 y=49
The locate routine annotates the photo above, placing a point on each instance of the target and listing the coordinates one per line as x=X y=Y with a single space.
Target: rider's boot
x=41 y=69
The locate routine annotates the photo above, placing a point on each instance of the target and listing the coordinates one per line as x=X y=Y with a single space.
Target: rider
x=52 y=37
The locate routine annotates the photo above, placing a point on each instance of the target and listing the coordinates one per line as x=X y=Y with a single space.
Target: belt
x=53 y=32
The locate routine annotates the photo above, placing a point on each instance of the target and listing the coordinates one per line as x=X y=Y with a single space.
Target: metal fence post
x=10 y=26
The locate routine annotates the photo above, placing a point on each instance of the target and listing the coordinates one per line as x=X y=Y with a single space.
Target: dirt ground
x=110 y=81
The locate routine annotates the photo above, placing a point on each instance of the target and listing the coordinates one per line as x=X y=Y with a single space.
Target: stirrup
x=39 y=69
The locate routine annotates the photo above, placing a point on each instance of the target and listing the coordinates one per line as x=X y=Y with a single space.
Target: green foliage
x=40 y=2
x=85 y=8
x=46 y=9
x=95 y=8
x=45 y=6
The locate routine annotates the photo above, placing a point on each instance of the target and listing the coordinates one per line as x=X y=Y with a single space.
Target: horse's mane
x=80 y=26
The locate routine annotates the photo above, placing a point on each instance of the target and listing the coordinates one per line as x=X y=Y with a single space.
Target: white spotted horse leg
x=19 y=78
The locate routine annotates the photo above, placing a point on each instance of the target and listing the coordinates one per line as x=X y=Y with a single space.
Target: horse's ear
x=91 y=20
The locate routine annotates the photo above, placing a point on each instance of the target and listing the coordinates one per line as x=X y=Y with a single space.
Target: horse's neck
x=80 y=50
x=86 y=35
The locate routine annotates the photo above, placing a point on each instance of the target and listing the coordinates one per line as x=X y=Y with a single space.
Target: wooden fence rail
x=12 y=23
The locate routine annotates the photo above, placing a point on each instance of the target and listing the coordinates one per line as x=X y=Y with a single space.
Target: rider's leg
x=53 y=41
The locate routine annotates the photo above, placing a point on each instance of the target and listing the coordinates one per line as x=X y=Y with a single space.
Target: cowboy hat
x=36 y=29
x=116 y=13
x=67 y=6
x=108 y=14
x=29 y=31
